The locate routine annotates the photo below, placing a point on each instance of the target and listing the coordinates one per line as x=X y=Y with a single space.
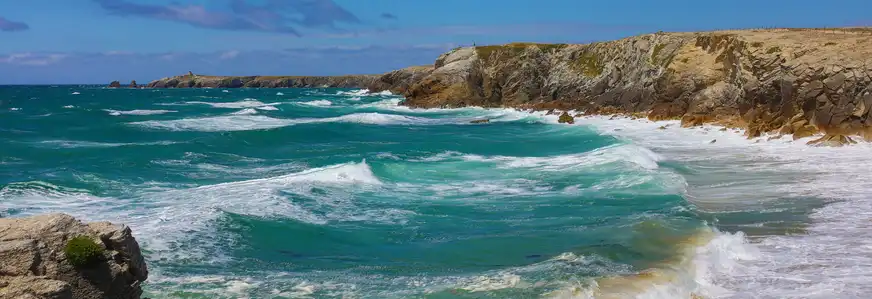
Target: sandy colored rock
x=33 y=263
x=774 y=80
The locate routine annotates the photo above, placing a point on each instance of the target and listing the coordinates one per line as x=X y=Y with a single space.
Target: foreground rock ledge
x=33 y=264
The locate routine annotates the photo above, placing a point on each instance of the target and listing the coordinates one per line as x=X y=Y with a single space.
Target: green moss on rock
x=82 y=251
x=588 y=64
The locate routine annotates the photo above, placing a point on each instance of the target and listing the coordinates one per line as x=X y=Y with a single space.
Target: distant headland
x=789 y=81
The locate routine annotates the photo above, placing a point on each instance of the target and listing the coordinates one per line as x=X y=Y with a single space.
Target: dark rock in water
x=662 y=128
x=533 y=256
x=565 y=118
x=35 y=255
x=115 y=84
x=133 y=84
x=713 y=141
x=480 y=121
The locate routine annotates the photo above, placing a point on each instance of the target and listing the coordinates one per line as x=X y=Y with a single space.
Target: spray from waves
x=137 y=112
x=259 y=122
x=702 y=259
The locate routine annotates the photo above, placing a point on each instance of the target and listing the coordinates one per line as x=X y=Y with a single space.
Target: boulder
x=133 y=84
x=565 y=118
x=114 y=84
x=34 y=260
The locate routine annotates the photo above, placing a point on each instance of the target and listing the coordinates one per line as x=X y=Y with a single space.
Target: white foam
x=225 y=91
x=280 y=94
x=137 y=112
x=236 y=122
x=356 y=92
x=75 y=93
x=633 y=154
x=218 y=123
x=833 y=260
x=317 y=103
x=246 y=103
x=267 y=108
x=14 y=109
x=85 y=144
x=69 y=107
x=246 y=111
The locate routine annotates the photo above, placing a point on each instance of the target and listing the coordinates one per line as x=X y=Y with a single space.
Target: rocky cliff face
x=789 y=81
x=199 y=81
x=34 y=263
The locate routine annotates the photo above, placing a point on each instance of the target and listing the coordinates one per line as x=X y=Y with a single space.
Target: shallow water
x=332 y=193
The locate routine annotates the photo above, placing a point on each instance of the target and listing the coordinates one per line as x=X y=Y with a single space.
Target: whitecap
x=137 y=112
x=75 y=93
x=14 y=109
x=69 y=107
x=317 y=103
x=356 y=92
x=267 y=108
x=280 y=94
x=218 y=123
x=225 y=91
x=245 y=103
x=246 y=111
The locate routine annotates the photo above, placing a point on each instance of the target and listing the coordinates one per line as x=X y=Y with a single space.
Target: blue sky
x=95 y=41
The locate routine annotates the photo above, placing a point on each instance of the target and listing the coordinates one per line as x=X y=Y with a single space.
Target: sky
x=97 y=41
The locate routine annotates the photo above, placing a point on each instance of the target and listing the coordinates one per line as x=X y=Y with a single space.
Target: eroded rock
x=33 y=262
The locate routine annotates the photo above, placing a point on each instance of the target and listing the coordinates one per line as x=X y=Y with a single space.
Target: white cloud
x=34 y=59
x=229 y=54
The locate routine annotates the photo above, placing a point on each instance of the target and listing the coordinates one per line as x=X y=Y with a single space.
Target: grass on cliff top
x=82 y=251
x=485 y=52
x=588 y=64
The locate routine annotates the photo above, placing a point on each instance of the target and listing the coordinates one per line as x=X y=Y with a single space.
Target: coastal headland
x=785 y=81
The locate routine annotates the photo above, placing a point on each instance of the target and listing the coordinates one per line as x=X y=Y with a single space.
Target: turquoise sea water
x=336 y=193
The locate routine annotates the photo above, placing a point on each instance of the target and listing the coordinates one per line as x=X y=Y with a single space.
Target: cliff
x=788 y=81
x=200 y=81
x=57 y=257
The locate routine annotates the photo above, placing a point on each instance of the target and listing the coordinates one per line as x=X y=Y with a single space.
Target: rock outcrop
x=115 y=84
x=199 y=81
x=133 y=84
x=784 y=81
x=33 y=261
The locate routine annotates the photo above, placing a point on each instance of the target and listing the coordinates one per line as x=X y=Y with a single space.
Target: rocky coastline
x=800 y=82
x=192 y=80
x=782 y=81
x=55 y=256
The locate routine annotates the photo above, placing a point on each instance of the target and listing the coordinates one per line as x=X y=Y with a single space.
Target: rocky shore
x=192 y=80
x=783 y=81
x=55 y=256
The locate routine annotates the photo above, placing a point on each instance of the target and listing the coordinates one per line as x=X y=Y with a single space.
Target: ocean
x=340 y=193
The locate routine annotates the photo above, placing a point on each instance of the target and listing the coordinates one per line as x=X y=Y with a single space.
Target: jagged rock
x=133 y=84
x=480 y=121
x=832 y=140
x=565 y=118
x=114 y=84
x=762 y=79
x=804 y=131
x=33 y=263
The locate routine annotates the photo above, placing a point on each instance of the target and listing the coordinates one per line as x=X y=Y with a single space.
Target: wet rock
x=565 y=118
x=480 y=121
x=832 y=140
